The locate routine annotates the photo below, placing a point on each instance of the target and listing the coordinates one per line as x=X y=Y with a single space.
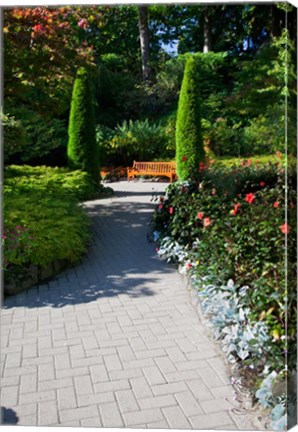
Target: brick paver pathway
x=115 y=341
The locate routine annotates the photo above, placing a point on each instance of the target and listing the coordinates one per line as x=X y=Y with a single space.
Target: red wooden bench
x=167 y=169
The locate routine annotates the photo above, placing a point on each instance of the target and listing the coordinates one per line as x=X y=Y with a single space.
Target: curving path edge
x=115 y=341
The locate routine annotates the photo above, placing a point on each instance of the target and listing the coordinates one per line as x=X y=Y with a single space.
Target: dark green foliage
x=82 y=149
x=13 y=136
x=40 y=136
x=189 y=143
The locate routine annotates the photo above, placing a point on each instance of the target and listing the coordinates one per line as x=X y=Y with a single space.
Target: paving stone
x=110 y=415
x=28 y=383
x=175 y=418
x=157 y=402
x=9 y=396
x=79 y=413
x=144 y=416
x=140 y=388
x=153 y=375
x=126 y=401
x=55 y=384
x=200 y=390
x=171 y=388
x=95 y=399
x=112 y=362
x=208 y=421
x=66 y=398
x=188 y=404
x=83 y=385
x=47 y=413
x=46 y=372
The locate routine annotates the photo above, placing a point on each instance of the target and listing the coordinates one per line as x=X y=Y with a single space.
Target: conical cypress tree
x=82 y=149
x=189 y=142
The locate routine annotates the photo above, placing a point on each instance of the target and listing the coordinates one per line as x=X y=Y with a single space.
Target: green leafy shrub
x=189 y=144
x=43 y=222
x=133 y=140
x=82 y=149
x=39 y=137
x=232 y=226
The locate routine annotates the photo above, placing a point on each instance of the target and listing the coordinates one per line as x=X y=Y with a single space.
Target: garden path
x=115 y=341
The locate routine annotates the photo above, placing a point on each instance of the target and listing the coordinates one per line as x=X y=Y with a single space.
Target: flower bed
x=228 y=232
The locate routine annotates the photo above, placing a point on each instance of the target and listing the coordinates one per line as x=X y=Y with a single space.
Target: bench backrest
x=159 y=167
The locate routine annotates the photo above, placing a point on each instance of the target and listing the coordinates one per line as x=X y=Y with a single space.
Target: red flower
x=250 y=198
x=276 y=204
x=200 y=215
x=189 y=265
x=184 y=158
x=201 y=166
x=171 y=210
x=207 y=222
x=236 y=208
x=38 y=28
x=285 y=229
x=262 y=183
x=161 y=199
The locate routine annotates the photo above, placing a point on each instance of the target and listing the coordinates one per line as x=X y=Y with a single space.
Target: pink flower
x=276 y=204
x=171 y=210
x=4 y=236
x=200 y=215
x=189 y=265
x=156 y=249
x=262 y=183
x=83 y=23
x=160 y=206
x=285 y=229
x=250 y=198
x=207 y=222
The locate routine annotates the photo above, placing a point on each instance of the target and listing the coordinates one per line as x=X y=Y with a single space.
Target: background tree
x=82 y=149
x=189 y=143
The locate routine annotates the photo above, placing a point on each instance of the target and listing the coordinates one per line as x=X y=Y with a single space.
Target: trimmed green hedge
x=189 y=143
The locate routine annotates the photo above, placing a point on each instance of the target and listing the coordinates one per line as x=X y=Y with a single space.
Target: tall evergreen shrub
x=82 y=149
x=189 y=142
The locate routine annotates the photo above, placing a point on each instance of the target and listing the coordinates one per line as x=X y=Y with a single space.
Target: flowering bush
x=228 y=232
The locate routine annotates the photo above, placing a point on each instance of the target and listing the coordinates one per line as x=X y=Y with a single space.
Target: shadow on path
x=119 y=261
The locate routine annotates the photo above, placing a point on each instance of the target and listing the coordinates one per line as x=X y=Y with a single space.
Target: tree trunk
x=207 y=32
x=144 y=40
